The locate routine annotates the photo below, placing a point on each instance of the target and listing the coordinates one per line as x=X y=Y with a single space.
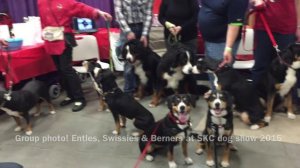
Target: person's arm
x=147 y=23
x=120 y=17
x=236 y=15
x=298 y=19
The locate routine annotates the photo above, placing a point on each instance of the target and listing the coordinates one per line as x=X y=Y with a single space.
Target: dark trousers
x=264 y=53
x=70 y=80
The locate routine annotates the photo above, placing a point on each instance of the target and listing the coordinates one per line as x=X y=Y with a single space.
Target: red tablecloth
x=26 y=63
x=103 y=42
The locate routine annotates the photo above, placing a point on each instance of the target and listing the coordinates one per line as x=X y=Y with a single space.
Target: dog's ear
x=170 y=100
x=192 y=98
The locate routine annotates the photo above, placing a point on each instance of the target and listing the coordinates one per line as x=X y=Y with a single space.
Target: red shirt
x=61 y=13
x=280 y=15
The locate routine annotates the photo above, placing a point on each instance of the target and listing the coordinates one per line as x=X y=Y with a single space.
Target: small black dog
x=219 y=119
x=246 y=97
x=279 y=79
x=119 y=102
x=19 y=103
x=174 y=71
x=170 y=130
x=145 y=62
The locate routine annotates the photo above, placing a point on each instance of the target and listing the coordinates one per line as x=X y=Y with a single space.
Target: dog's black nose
x=217 y=105
x=190 y=70
x=182 y=108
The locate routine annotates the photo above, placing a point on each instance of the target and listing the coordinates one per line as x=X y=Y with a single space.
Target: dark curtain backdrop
x=18 y=9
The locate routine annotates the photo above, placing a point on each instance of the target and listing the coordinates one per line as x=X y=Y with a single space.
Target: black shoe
x=67 y=101
x=78 y=106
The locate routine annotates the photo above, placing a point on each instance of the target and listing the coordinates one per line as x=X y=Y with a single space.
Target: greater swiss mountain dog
x=219 y=125
x=280 y=78
x=174 y=71
x=120 y=103
x=246 y=97
x=18 y=103
x=145 y=62
x=170 y=130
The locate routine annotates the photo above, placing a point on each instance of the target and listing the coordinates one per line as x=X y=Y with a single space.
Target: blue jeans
x=129 y=76
x=215 y=51
x=264 y=53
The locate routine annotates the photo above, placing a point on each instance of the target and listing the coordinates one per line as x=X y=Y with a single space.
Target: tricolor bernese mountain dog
x=219 y=126
x=279 y=79
x=120 y=104
x=170 y=130
x=145 y=62
x=18 y=103
x=246 y=97
x=174 y=71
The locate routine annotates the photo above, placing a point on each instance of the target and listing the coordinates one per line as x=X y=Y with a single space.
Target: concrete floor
x=281 y=148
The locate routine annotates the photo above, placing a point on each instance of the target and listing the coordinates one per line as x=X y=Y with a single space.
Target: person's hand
x=3 y=42
x=105 y=16
x=177 y=29
x=144 y=40
x=298 y=34
x=130 y=36
x=227 y=57
x=172 y=31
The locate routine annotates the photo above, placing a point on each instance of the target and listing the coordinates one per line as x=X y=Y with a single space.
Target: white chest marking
x=11 y=113
x=290 y=79
x=141 y=73
x=220 y=122
x=173 y=80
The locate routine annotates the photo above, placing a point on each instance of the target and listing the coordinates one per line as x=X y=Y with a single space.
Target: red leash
x=143 y=154
x=263 y=19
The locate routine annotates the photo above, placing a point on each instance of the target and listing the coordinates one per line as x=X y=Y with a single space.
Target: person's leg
x=263 y=55
x=73 y=82
x=129 y=76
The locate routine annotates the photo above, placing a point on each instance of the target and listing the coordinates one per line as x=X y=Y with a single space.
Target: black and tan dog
x=170 y=130
x=19 y=103
x=280 y=78
x=219 y=125
x=145 y=62
x=120 y=103
x=174 y=71
x=246 y=97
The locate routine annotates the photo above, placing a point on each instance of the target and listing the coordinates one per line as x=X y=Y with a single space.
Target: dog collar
x=175 y=120
x=111 y=91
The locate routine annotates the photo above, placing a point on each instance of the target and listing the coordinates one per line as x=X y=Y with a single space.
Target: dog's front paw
x=254 y=127
x=188 y=161
x=225 y=164
x=199 y=151
x=52 y=112
x=122 y=125
x=152 y=105
x=172 y=164
x=267 y=119
x=135 y=134
x=18 y=129
x=210 y=163
x=115 y=132
x=291 y=116
x=28 y=132
x=149 y=158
